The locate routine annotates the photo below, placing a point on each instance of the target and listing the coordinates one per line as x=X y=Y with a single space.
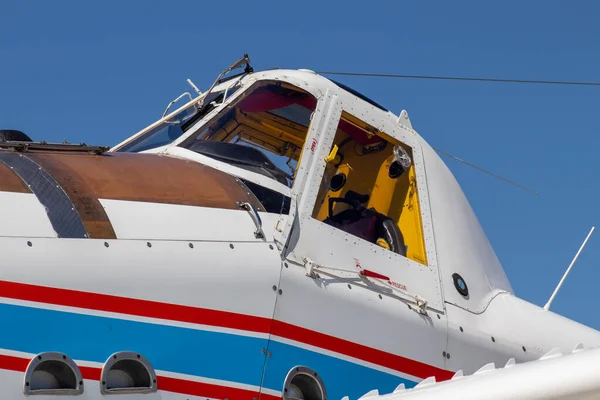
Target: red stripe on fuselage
x=164 y=383
x=126 y=305
x=208 y=390
x=13 y=363
x=359 y=351
x=91 y=373
x=203 y=316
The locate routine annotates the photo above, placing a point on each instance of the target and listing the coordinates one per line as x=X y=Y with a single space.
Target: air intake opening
x=52 y=373
x=128 y=372
x=303 y=383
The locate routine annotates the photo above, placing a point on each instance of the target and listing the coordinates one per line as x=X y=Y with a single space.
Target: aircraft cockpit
x=259 y=131
x=262 y=131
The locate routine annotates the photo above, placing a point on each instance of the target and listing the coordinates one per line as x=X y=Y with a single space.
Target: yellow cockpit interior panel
x=367 y=192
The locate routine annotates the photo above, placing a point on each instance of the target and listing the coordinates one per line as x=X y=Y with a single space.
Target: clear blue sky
x=98 y=72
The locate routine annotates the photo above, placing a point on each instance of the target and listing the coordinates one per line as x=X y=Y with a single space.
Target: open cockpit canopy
x=263 y=131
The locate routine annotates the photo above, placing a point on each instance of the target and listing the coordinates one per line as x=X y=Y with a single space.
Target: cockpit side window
x=263 y=132
x=369 y=189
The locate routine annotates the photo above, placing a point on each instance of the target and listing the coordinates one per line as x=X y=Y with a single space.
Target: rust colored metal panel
x=138 y=177
x=90 y=210
x=60 y=210
x=10 y=182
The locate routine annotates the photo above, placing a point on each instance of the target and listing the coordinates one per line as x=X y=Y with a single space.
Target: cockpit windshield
x=171 y=129
x=263 y=132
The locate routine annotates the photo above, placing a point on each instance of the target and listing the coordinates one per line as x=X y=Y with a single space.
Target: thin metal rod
x=463 y=78
x=487 y=172
x=547 y=306
x=189 y=81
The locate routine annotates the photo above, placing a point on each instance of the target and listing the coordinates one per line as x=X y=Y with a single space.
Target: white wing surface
x=554 y=376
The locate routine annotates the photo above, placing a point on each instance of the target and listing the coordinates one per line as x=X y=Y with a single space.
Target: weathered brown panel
x=10 y=182
x=137 y=177
x=91 y=212
x=145 y=177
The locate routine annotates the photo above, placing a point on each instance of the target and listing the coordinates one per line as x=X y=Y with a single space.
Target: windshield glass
x=169 y=130
x=263 y=132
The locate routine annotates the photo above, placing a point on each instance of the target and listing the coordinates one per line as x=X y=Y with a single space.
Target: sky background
x=99 y=72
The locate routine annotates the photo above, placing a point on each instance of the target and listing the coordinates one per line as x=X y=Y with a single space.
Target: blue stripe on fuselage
x=208 y=354
x=169 y=348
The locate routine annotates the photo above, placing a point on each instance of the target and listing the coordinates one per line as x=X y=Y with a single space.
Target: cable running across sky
x=459 y=78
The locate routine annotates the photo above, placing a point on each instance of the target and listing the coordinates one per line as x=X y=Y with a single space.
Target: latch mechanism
x=421 y=305
x=309 y=266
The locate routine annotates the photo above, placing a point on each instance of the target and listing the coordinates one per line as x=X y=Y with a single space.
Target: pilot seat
x=366 y=223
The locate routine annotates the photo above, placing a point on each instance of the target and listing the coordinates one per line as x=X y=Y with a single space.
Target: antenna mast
x=547 y=306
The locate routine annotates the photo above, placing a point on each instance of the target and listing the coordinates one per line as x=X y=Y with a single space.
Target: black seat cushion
x=369 y=225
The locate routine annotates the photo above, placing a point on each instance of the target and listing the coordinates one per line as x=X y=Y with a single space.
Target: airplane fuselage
x=174 y=256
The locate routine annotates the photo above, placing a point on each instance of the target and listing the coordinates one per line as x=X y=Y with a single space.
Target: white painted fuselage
x=221 y=313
